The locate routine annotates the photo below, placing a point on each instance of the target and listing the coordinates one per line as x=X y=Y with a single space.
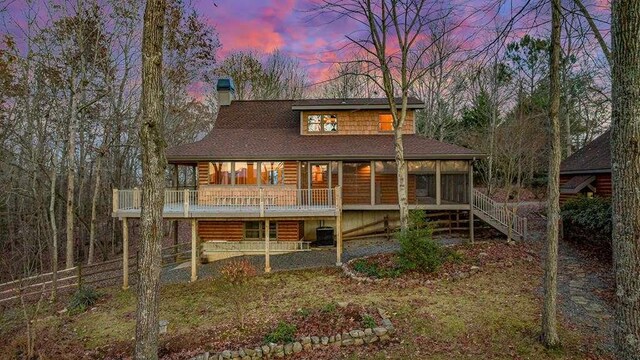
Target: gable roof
x=270 y=130
x=595 y=157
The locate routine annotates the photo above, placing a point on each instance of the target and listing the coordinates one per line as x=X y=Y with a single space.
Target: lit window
x=322 y=123
x=385 y=122
x=246 y=173
x=272 y=173
x=220 y=173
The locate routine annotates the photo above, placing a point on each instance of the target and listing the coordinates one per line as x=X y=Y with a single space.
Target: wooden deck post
x=194 y=250
x=438 y=183
x=267 y=260
x=116 y=200
x=471 y=200
x=185 y=199
x=338 y=226
x=125 y=254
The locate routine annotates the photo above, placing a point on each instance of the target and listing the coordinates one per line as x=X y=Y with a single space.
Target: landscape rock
x=297 y=347
x=324 y=340
x=288 y=349
x=358 y=341
x=379 y=331
x=315 y=340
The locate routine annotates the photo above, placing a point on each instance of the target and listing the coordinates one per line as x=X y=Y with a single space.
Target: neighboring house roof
x=577 y=183
x=354 y=103
x=595 y=157
x=261 y=130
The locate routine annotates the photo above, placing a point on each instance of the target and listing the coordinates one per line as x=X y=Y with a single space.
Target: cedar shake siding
x=355 y=122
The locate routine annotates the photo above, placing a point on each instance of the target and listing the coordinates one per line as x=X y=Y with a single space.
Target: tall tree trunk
x=401 y=164
x=625 y=166
x=54 y=231
x=549 y=321
x=153 y=168
x=71 y=168
x=94 y=202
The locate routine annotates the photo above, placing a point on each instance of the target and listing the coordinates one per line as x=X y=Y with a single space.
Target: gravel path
x=316 y=258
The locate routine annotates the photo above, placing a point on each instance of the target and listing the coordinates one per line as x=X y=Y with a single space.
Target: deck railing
x=229 y=199
x=499 y=213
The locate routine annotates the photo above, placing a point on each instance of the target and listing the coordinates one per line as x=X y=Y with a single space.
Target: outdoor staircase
x=500 y=216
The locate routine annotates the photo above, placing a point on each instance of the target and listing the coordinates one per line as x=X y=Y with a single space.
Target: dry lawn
x=493 y=313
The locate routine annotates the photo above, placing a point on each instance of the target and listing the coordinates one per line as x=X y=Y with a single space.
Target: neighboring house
x=588 y=171
x=274 y=171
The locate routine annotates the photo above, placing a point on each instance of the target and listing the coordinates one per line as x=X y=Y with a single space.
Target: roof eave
x=352 y=107
x=199 y=158
x=585 y=171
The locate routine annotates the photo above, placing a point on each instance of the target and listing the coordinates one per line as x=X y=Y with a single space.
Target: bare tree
x=549 y=322
x=625 y=166
x=394 y=39
x=153 y=182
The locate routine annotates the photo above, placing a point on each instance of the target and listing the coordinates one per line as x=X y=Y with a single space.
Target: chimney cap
x=225 y=84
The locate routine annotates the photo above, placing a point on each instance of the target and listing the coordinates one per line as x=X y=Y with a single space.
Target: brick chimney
x=226 y=91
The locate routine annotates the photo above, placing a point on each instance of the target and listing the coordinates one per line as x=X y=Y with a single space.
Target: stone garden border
x=346 y=268
x=356 y=337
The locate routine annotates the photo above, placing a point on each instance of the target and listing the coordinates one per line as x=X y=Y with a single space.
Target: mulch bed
x=473 y=259
x=329 y=320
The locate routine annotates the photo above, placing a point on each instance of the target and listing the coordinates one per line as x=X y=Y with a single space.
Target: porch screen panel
x=272 y=173
x=246 y=173
x=386 y=183
x=220 y=173
x=356 y=183
x=422 y=182
x=454 y=182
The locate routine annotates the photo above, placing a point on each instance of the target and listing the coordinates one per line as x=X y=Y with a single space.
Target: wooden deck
x=236 y=202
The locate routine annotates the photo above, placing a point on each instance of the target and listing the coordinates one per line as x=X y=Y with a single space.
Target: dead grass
x=493 y=313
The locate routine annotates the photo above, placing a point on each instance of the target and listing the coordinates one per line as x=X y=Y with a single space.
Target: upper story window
x=385 y=122
x=322 y=123
x=272 y=173
x=220 y=173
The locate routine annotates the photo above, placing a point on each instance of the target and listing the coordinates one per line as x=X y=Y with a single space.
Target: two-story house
x=271 y=172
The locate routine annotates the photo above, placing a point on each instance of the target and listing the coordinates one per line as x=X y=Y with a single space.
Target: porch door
x=319 y=182
x=425 y=189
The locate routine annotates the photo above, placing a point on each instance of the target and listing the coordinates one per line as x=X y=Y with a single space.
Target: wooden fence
x=106 y=273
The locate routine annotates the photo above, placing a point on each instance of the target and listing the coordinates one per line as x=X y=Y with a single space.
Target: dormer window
x=322 y=123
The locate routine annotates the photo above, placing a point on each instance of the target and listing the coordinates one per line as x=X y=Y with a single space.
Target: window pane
x=386 y=122
x=455 y=188
x=272 y=173
x=255 y=230
x=246 y=173
x=330 y=123
x=454 y=167
x=220 y=173
x=421 y=167
x=314 y=123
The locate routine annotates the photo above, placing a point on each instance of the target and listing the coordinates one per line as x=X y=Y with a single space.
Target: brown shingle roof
x=254 y=130
x=594 y=157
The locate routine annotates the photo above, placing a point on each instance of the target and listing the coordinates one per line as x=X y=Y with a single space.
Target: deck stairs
x=500 y=216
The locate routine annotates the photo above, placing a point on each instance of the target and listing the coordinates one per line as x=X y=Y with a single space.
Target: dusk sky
x=266 y=25
x=274 y=24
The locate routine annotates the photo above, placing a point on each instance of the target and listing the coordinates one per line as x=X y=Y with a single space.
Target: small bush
x=235 y=275
x=283 y=333
x=84 y=298
x=418 y=250
x=368 y=321
x=588 y=219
